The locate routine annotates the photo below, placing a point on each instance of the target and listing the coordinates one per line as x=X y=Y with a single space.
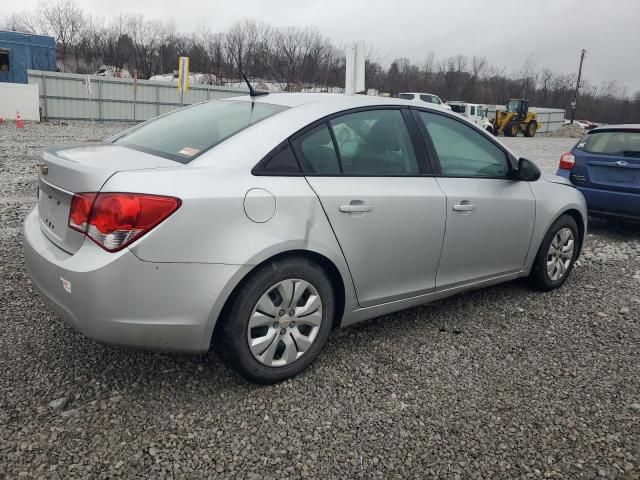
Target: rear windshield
x=406 y=96
x=188 y=132
x=620 y=143
x=457 y=108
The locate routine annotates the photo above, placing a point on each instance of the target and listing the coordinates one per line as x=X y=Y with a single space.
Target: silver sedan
x=259 y=224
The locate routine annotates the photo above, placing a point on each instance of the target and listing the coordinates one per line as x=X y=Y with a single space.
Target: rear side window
x=406 y=96
x=316 y=152
x=188 y=132
x=462 y=151
x=375 y=142
x=281 y=161
x=619 y=143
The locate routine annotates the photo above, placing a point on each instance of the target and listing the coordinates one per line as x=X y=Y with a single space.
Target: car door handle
x=464 y=207
x=355 y=208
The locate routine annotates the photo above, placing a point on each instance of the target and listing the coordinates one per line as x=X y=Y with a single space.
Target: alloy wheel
x=560 y=254
x=284 y=322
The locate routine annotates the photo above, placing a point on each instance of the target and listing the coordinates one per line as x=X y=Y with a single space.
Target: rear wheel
x=278 y=322
x=531 y=129
x=557 y=254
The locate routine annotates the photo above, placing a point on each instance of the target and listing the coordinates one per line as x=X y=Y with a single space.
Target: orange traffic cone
x=19 y=122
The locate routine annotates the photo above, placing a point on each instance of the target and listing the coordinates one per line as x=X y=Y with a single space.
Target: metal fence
x=65 y=96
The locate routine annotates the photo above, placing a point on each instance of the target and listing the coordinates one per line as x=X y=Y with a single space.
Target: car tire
x=264 y=285
x=546 y=275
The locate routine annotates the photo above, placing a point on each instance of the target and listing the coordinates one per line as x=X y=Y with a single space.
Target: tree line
x=300 y=58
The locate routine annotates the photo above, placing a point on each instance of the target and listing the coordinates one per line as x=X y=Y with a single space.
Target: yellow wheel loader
x=516 y=118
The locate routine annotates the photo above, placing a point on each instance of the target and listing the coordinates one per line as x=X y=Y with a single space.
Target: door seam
x=444 y=232
x=355 y=292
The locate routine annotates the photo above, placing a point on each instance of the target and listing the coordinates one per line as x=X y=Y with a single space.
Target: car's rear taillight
x=567 y=161
x=80 y=209
x=114 y=220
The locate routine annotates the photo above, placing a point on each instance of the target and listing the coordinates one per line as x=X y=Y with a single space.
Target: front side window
x=620 y=143
x=462 y=151
x=188 y=132
x=375 y=142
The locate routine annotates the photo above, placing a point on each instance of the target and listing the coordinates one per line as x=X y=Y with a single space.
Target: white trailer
x=472 y=111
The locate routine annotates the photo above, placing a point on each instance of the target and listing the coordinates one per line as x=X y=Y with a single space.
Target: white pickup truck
x=474 y=112
x=419 y=98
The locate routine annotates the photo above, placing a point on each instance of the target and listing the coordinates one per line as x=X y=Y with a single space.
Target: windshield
x=188 y=132
x=513 y=105
x=620 y=143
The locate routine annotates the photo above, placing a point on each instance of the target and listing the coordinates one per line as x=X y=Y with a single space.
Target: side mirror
x=527 y=171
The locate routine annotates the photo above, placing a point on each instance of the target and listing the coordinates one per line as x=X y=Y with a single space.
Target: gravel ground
x=545 y=151
x=498 y=383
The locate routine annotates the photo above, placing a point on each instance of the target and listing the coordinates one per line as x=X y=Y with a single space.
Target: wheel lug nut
x=283 y=331
x=281 y=312
x=292 y=313
x=292 y=324
x=276 y=324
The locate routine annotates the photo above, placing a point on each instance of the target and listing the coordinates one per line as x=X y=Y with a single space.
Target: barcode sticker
x=190 y=151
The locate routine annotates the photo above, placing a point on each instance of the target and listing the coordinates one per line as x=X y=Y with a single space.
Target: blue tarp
x=24 y=51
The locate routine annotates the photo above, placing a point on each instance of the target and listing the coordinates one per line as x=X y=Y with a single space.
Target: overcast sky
x=505 y=32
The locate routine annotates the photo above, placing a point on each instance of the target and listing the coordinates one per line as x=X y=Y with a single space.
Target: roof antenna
x=252 y=91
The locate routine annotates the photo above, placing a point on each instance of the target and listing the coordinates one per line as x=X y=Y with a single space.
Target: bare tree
x=64 y=20
x=298 y=58
x=19 y=22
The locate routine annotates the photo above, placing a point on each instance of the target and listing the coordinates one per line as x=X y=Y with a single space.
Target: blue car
x=605 y=166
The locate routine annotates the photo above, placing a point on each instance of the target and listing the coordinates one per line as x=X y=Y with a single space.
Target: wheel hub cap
x=560 y=254
x=284 y=323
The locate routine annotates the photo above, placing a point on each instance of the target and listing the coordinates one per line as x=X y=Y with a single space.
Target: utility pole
x=574 y=104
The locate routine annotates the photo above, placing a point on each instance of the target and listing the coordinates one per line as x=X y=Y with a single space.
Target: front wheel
x=557 y=254
x=278 y=322
x=511 y=130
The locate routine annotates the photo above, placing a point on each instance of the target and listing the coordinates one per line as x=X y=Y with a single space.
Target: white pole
x=354 y=68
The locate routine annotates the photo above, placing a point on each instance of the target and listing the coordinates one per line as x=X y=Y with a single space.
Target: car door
x=490 y=217
x=387 y=211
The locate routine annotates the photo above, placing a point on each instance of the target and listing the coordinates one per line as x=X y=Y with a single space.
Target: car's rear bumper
x=622 y=204
x=119 y=299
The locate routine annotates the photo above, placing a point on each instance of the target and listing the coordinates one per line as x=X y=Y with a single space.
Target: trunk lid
x=81 y=168
x=607 y=172
x=608 y=158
